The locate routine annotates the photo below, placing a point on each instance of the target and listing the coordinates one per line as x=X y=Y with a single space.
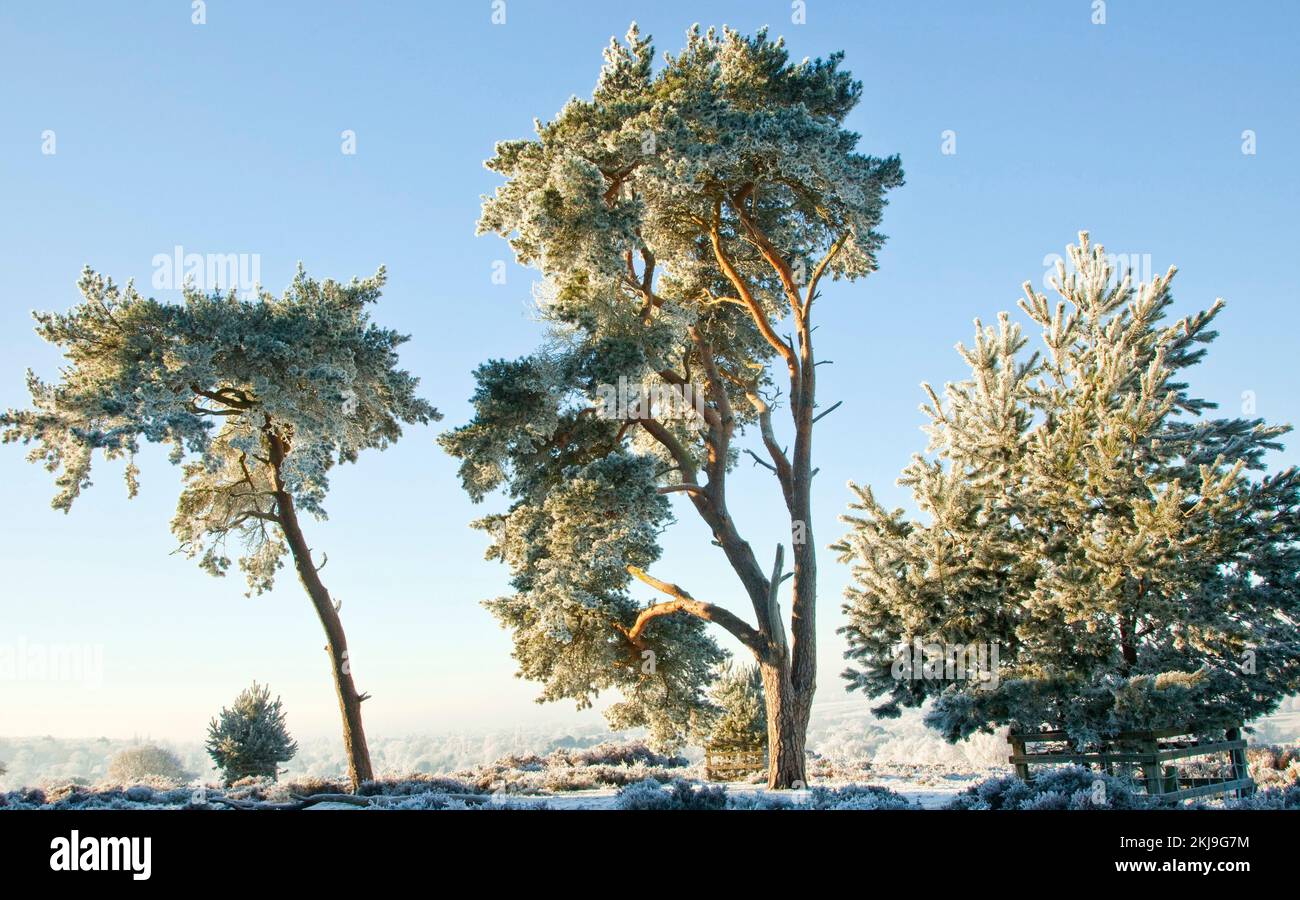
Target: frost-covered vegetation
x=605 y=765
x=741 y=720
x=148 y=764
x=1275 y=770
x=676 y=794
x=1128 y=556
x=631 y=775
x=1067 y=787
x=682 y=794
x=1274 y=766
x=250 y=737
x=848 y=745
x=624 y=775
x=1280 y=797
x=258 y=401
x=683 y=220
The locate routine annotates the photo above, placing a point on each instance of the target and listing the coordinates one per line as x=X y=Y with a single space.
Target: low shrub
x=1066 y=787
x=1273 y=766
x=147 y=764
x=677 y=794
x=309 y=785
x=411 y=787
x=611 y=753
x=857 y=796
x=1282 y=797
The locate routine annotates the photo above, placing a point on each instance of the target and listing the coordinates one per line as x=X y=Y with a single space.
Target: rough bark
x=787 y=727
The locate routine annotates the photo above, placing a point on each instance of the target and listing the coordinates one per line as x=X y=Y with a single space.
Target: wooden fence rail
x=726 y=764
x=1146 y=752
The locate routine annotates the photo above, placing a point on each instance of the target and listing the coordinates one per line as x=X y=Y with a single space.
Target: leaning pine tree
x=681 y=219
x=258 y=398
x=1081 y=512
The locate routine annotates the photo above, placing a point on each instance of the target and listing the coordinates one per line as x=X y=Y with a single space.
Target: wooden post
x=1240 y=768
x=1018 y=749
x=1151 y=768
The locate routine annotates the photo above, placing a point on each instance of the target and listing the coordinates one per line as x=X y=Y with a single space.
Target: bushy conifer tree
x=741 y=720
x=1125 y=551
x=251 y=738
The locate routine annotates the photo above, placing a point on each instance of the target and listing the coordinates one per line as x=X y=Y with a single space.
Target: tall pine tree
x=1080 y=510
x=682 y=219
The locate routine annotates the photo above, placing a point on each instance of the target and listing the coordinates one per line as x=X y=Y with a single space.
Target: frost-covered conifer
x=250 y=737
x=1082 y=512
x=741 y=721
x=683 y=220
x=258 y=399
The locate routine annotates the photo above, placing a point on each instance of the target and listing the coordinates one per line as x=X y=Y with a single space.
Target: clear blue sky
x=225 y=138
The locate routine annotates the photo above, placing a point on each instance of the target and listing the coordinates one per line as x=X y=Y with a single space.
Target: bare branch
x=684 y=602
x=773 y=605
x=780 y=462
x=811 y=294
x=819 y=416
x=674 y=447
x=688 y=488
x=203 y=411
x=758 y=460
x=738 y=282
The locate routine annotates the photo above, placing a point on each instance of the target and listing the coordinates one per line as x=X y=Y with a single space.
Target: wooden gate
x=731 y=764
x=1173 y=764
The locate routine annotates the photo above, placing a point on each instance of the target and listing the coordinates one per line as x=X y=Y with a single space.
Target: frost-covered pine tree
x=251 y=736
x=1080 y=510
x=683 y=220
x=258 y=399
x=741 y=720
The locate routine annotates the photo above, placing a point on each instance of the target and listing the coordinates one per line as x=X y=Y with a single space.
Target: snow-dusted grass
x=630 y=776
x=627 y=775
x=562 y=767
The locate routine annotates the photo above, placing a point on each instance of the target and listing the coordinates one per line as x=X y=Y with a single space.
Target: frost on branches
x=741 y=720
x=250 y=738
x=1135 y=567
x=258 y=399
x=681 y=218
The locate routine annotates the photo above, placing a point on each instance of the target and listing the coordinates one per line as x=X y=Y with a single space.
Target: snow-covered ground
x=850 y=745
x=930 y=789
